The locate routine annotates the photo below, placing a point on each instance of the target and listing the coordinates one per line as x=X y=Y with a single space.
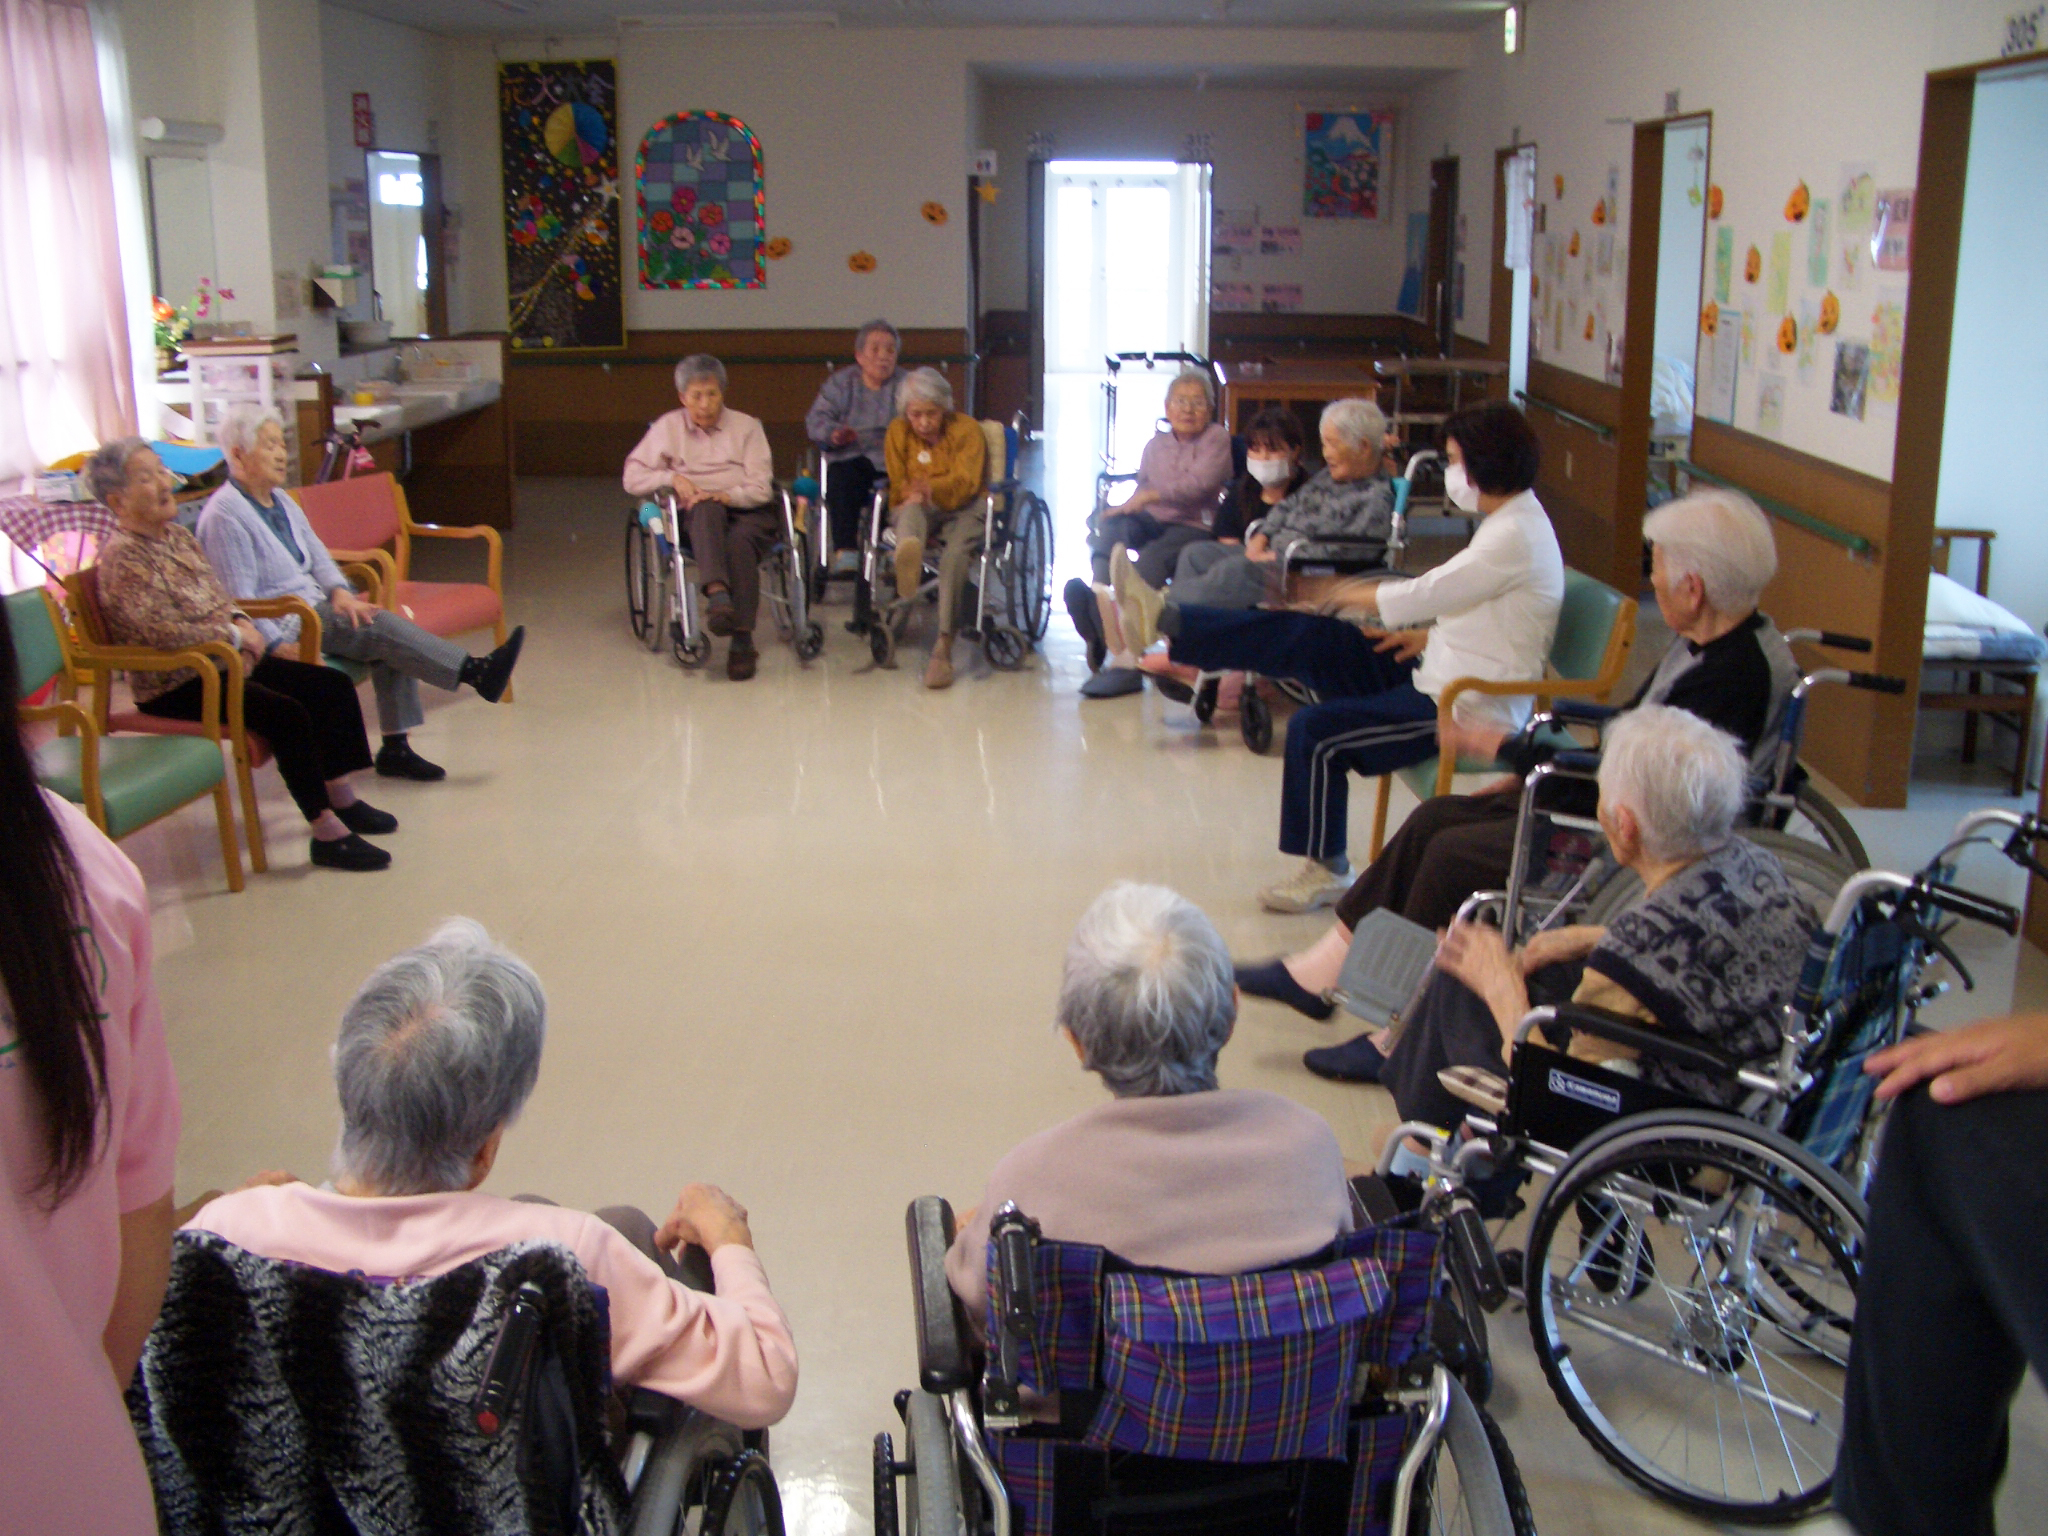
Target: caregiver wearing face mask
x=1489 y=611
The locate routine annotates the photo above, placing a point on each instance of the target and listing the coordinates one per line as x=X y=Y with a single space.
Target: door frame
x=1440 y=257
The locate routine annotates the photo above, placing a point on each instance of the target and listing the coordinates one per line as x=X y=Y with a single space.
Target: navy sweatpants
x=1372 y=718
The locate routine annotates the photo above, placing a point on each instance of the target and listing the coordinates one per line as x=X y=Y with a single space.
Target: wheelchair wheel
x=1255 y=719
x=1030 y=568
x=882 y=643
x=1458 y=1329
x=935 y=1505
x=1817 y=819
x=1205 y=700
x=1691 y=1282
x=886 y=1521
x=811 y=643
x=1004 y=647
x=639 y=578
x=741 y=1499
x=1816 y=874
x=693 y=652
x=1469 y=1484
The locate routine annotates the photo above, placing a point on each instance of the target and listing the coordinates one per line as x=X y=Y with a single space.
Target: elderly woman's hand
x=1556 y=946
x=1406 y=644
x=706 y=1216
x=1258 y=547
x=1991 y=1056
x=1478 y=956
x=843 y=437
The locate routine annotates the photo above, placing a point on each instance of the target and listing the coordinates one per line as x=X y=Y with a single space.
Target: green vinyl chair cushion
x=1421 y=777
x=36 y=646
x=357 y=672
x=141 y=777
x=1585 y=621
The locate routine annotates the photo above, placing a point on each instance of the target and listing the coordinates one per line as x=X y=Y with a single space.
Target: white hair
x=107 y=470
x=1722 y=537
x=1148 y=992
x=699 y=365
x=1684 y=781
x=439 y=1049
x=1199 y=376
x=238 y=429
x=1360 y=423
x=927 y=385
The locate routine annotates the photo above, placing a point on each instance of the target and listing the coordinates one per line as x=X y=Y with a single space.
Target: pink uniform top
x=68 y=1458
x=730 y=1354
x=730 y=462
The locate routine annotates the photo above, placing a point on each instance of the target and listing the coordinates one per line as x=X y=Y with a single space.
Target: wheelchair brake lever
x=1935 y=941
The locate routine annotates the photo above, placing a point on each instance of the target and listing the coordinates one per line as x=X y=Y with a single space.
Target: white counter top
x=415 y=406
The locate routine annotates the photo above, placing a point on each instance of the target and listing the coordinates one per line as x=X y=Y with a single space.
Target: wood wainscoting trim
x=1577 y=483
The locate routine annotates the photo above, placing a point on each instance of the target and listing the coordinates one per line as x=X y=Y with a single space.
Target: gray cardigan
x=253 y=562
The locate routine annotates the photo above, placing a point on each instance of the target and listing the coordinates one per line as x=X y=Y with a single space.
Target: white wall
x=1678 y=248
x=1345 y=267
x=401 y=68
x=1795 y=91
x=858 y=128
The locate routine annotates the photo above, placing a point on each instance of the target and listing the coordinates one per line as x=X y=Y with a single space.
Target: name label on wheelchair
x=1566 y=1086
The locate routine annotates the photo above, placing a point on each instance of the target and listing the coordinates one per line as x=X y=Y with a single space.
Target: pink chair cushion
x=358 y=513
x=136 y=723
x=449 y=607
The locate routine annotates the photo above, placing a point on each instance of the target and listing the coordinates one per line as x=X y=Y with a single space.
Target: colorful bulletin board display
x=1347 y=163
x=703 y=202
x=564 y=259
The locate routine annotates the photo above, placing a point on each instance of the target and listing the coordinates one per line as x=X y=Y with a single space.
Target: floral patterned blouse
x=161 y=593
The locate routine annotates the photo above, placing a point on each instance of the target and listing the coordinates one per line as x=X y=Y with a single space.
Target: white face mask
x=1459 y=491
x=1269 y=471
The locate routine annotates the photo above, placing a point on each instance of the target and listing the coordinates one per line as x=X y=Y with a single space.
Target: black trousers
x=1449 y=847
x=1952 y=1309
x=849 y=487
x=310 y=716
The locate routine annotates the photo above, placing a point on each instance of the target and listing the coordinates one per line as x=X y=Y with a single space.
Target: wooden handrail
x=1855 y=543
x=1599 y=430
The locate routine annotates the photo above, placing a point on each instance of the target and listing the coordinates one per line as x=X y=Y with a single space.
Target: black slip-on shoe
x=1357 y=1060
x=1273 y=981
x=365 y=818
x=495 y=673
x=349 y=852
x=402 y=762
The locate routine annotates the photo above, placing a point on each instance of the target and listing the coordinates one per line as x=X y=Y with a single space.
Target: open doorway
x=1439 y=275
x=405 y=242
x=1125 y=269
x=1681 y=255
x=1514 y=223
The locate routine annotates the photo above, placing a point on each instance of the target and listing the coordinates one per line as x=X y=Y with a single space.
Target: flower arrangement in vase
x=174 y=325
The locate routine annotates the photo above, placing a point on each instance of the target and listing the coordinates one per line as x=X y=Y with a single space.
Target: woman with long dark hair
x=88 y=1133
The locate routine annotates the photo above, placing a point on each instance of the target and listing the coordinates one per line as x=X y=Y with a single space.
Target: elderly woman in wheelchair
x=1176 y=1200
x=465 y=1293
x=938 y=466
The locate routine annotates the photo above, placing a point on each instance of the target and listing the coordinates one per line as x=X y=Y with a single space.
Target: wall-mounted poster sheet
x=1347 y=164
x=1279 y=239
x=1234 y=237
x=1720 y=362
x=1891 y=231
x=1233 y=297
x=700 y=187
x=1280 y=298
x=564 y=260
x=1855 y=213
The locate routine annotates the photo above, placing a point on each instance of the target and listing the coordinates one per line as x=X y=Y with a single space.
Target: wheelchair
x=1307 y=1398
x=1690 y=1272
x=1010 y=594
x=274 y=1395
x=663 y=605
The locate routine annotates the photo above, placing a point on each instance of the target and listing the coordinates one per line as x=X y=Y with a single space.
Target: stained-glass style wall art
x=702 y=202
x=564 y=255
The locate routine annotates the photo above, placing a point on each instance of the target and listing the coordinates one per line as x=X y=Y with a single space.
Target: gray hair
x=1722 y=537
x=107 y=470
x=1148 y=992
x=1684 y=780
x=927 y=385
x=238 y=429
x=699 y=365
x=1199 y=376
x=860 y=337
x=439 y=1049
x=1361 y=423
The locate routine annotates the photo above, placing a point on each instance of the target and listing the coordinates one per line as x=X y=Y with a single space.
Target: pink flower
x=225 y=293
x=719 y=244
x=683 y=238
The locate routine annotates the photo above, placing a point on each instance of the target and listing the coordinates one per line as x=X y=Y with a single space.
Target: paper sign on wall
x=1891 y=231
x=1855 y=209
x=1817 y=231
x=1724 y=262
x=1778 y=294
x=1232 y=297
x=1852 y=379
x=1721 y=356
x=1234 y=239
x=1280 y=240
x=1887 y=346
x=1280 y=298
x=1770 y=404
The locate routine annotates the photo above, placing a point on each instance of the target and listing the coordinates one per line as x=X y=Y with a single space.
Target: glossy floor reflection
x=800 y=937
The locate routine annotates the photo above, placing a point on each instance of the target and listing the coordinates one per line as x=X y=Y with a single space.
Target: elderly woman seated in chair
x=938 y=466
x=157 y=590
x=437 y=1055
x=1711 y=950
x=1173 y=1171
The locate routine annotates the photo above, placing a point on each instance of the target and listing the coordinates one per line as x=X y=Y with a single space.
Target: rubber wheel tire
x=1833 y=826
x=1520 y=1515
x=748 y=1470
x=1205 y=700
x=811 y=643
x=636 y=576
x=882 y=644
x=1255 y=719
x=695 y=653
x=937 y=1498
x=886 y=1522
x=1004 y=647
x=1458 y=1324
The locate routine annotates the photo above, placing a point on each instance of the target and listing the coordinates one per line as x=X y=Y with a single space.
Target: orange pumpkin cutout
x=1752 y=265
x=777 y=248
x=1600 y=211
x=1558 y=182
x=1710 y=319
x=1830 y=313
x=1589 y=327
x=1798 y=203
x=1573 y=248
x=1788 y=335
x=1713 y=202
x=934 y=213
x=860 y=261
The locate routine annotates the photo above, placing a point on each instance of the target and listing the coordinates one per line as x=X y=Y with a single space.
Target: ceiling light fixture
x=1511 y=30
x=729 y=21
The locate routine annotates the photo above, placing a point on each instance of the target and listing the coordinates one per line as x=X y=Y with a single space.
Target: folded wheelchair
x=1010 y=596
x=1112 y=1399
x=1690 y=1271
x=663 y=605
x=276 y=1396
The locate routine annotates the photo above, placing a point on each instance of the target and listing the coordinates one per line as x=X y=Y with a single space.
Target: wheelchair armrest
x=1577 y=762
x=1617 y=1029
x=652 y=1413
x=945 y=1360
x=1582 y=711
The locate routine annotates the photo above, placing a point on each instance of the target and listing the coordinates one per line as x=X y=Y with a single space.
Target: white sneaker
x=1310 y=887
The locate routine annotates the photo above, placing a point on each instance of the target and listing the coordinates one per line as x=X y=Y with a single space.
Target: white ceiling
x=586 y=17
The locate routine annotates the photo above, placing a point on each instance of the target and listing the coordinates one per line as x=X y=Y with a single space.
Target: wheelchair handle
x=1979 y=909
x=1830 y=640
x=505 y=1373
x=1473 y=1249
x=1013 y=1234
x=1876 y=682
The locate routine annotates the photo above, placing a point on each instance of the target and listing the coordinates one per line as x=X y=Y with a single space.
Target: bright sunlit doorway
x=1126 y=269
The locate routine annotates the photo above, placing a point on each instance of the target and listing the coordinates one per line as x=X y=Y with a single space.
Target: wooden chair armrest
x=369 y=578
x=64 y=712
x=492 y=542
x=285 y=607
x=141 y=658
x=385 y=562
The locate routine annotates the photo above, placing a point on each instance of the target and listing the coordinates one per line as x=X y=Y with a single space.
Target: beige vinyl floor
x=802 y=938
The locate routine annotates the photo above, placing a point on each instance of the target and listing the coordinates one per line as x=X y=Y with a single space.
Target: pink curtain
x=66 y=376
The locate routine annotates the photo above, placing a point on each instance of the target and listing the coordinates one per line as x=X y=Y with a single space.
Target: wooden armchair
x=365 y=519
x=1596 y=630
x=125 y=783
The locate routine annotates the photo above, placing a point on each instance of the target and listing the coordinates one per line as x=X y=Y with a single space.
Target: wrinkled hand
x=1478 y=956
x=1260 y=548
x=706 y=1216
x=353 y=608
x=287 y=650
x=1406 y=644
x=919 y=489
x=1994 y=1056
x=843 y=437
x=1138 y=502
x=1554 y=946
x=686 y=489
